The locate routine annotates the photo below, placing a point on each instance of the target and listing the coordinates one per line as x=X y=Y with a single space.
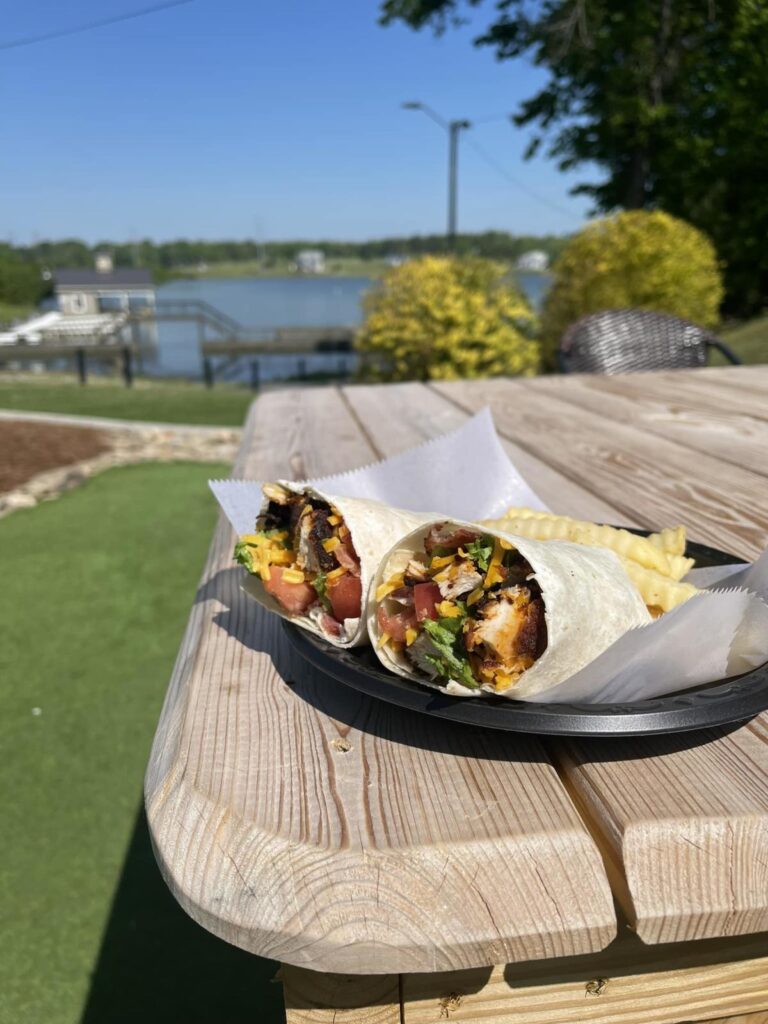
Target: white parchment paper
x=466 y=474
x=461 y=475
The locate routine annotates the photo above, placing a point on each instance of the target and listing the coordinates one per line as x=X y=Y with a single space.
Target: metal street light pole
x=453 y=128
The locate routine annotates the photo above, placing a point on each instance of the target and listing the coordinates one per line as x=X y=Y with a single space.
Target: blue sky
x=239 y=118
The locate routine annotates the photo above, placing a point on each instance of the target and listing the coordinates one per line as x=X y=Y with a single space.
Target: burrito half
x=312 y=556
x=475 y=611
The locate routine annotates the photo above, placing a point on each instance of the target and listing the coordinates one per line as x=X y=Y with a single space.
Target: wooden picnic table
x=404 y=870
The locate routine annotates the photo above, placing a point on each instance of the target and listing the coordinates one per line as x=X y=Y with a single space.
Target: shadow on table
x=156 y=965
x=258 y=630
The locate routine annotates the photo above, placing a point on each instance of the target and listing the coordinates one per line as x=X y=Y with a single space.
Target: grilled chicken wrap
x=311 y=557
x=473 y=611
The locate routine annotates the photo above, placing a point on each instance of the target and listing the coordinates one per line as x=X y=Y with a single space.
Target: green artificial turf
x=748 y=340
x=164 y=402
x=96 y=590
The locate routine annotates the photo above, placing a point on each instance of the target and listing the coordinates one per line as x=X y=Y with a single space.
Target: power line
x=87 y=26
x=500 y=169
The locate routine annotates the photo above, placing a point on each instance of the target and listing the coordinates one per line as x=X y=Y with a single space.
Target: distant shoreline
x=347 y=268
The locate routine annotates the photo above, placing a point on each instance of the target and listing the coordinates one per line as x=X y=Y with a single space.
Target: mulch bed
x=30 y=448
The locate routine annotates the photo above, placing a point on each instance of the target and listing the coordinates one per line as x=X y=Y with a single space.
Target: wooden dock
x=220 y=358
x=121 y=356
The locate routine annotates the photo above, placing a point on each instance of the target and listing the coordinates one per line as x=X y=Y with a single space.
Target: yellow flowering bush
x=441 y=318
x=638 y=259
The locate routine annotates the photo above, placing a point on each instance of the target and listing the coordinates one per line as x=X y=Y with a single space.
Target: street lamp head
x=411 y=105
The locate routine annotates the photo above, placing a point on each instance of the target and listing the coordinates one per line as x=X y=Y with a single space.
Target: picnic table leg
x=314 y=998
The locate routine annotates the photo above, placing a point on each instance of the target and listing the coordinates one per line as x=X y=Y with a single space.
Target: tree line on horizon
x=21 y=266
x=73 y=252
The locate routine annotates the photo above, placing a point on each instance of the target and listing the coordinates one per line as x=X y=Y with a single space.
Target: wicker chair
x=630 y=340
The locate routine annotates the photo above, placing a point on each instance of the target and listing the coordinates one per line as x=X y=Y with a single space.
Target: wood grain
x=314 y=998
x=421 y=846
x=398 y=416
x=667 y=997
x=625 y=984
x=743 y=1018
x=683 y=822
x=652 y=479
x=687 y=820
x=696 y=417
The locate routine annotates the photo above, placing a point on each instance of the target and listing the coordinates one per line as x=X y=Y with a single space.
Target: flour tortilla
x=374 y=528
x=589 y=602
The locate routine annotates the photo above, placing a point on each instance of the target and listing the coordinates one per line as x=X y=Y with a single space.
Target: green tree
x=669 y=98
x=21 y=283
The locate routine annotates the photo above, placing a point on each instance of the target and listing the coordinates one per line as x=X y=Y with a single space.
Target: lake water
x=268 y=302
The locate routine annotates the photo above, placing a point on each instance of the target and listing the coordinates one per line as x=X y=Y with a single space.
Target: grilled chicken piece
x=508 y=625
x=415 y=572
x=460 y=579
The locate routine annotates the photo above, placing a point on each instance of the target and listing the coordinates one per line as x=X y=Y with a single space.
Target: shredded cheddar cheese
x=448 y=610
x=393 y=583
x=293 y=576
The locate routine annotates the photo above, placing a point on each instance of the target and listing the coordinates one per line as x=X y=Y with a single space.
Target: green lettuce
x=243 y=556
x=449 y=659
x=480 y=552
x=320 y=583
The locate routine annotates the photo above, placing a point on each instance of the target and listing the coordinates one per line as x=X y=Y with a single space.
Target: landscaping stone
x=124 y=446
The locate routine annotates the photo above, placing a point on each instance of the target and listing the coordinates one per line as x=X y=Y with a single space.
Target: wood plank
x=702 y=418
x=656 y=481
x=411 y=845
x=683 y=821
x=625 y=984
x=751 y=376
x=743 y=1018
x=686 y=819
x=314 y=998
x=398 y=416
x=700 y=389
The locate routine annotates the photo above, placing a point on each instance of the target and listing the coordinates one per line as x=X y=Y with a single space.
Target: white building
x=535 y=261
x=310 y=261
x=103 y=289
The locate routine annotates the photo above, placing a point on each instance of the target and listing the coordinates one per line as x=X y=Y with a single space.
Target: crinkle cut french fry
x=670 y=539
x=621 y=541
x=656 y=590
x=530 y=513
x=679 y=566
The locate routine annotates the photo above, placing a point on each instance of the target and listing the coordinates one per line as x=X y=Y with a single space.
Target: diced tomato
x=345 y=595
x=347 y=556
x=450 y=537
x=294 y=597
x=397 y=623
x=425 y=597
